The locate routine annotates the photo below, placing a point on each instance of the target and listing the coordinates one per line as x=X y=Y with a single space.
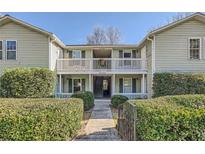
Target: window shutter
x=121 y=85
x=70 y=53
x=83 y=84
x=70 y=85
x=83 y=54
x=120 y=54
x=134 y=54
x=134 y=85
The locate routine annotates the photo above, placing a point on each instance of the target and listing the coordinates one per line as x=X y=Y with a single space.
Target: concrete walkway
x=100 y=126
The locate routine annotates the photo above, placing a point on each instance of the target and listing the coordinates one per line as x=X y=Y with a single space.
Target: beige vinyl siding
x=55 y=54
x=32 y=47
x=115 y=54
x=149 y=68
x=172 y=52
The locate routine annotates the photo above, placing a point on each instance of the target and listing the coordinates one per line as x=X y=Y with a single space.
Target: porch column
x=113 y=84
x=90 y=82
x=60 y=84
x=142 y=85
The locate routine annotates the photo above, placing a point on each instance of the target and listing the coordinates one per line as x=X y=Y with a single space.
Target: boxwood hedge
x=87 y=97
x=116 y=100
x=171 y=118
x=27 y=83
x=178 y=84
x=40 y=119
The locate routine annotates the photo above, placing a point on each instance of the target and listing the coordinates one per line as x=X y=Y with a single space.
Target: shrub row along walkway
x=100 y=126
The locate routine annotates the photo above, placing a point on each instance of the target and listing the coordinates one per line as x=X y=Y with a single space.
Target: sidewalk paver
x=100 y=126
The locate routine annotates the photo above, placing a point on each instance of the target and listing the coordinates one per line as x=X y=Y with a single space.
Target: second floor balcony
x=101 y=65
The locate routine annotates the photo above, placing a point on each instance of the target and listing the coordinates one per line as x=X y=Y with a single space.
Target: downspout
x=153 y=58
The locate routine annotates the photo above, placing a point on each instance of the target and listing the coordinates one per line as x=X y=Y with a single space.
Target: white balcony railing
x=101 y=65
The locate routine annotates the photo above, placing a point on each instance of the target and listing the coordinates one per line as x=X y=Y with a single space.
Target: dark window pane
x=70 y=85
x=1 y=47
x=77 y=85
x=11 y=45
x=127 y=55
x=11 y=55
x=83 y=84
x=1 y=55
x=121 y=85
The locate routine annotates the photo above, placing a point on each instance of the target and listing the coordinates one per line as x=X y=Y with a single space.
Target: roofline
x=102 y=46
x=176 y=22
x=51 y=35
x=158 y=30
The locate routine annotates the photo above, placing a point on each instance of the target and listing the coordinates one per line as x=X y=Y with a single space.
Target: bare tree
x=97 y=37
x=113 y=35
x=101 y=36
x=174 y=18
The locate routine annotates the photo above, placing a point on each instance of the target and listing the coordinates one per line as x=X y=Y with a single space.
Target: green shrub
x=87 y=97
x=40 y=119
x=178 y=84
x=116 y=100
x=27 y=83
x=170 y=118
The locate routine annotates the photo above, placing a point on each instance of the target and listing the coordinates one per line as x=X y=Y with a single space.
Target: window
x=78 y=85
x=76 y=54
x=11 y=50
x=127 y=54
x=127 y=85
x=1 y=50
x=195 y=48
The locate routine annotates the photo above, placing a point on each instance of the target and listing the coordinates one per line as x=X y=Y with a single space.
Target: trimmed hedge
x=27 y=83
x=178 y=84
x=171 y=118
x=116 y=100
x=87 y=97
x=40 y=119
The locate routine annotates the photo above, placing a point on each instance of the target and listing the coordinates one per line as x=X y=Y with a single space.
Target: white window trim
x=6 y=50
x=123 y=85
x=2 y=49
x=200 y=48
x=76 y=51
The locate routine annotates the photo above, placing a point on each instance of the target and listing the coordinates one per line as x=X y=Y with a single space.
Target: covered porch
x=102 y=85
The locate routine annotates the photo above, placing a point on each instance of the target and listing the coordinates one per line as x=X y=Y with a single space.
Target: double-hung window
x=11 y=50
x=127 y=55
x=195 y=48
x=127 y=85
x=76 y=54
x=1 y=50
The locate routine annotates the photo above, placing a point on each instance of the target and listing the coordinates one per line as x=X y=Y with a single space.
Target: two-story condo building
x=105 y=69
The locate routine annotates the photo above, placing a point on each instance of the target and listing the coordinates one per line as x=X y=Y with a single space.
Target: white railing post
x=60 y=90
x=90 y=82
x=113 y=84
x=142 y=84
x=91 y=63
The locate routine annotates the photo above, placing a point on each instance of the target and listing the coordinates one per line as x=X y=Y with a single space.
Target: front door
x=102 y=87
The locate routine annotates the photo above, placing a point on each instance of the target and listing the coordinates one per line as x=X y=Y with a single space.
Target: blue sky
x=72 y=28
